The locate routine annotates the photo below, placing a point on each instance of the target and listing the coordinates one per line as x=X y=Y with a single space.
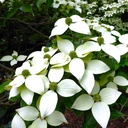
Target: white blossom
x=98 y=103
x=14 y=58
x=74 y=23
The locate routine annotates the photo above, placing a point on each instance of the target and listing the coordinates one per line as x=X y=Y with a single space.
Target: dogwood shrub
x=81 y=71
x=82 y=62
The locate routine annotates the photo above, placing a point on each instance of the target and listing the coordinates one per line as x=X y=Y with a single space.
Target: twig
x=6 y=68
x=39 y=32
x=122 y=106
x=30 y=25
x=27 y=23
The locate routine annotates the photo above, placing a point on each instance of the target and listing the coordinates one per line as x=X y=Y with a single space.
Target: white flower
x=75 y=5
x=106 y=41
x=14 y=58
x=49 y=99
x=74 y=23
x=30 y=113
x=2 y=1
x=108 y=38
x=32 y=81
x=114 y=80
x=57 y=3
x=44 y=51
x=99 y=104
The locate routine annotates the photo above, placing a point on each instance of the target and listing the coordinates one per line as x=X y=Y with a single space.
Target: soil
x=76 y=122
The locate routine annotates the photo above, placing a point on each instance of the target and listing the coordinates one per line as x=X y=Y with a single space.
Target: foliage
x=77 y=59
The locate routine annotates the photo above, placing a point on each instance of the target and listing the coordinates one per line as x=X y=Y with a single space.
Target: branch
x=6 y=68
x=27 y=23
x=30 y=25
x=39 y=32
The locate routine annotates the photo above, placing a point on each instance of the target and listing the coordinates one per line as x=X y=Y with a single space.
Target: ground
x=76 y=122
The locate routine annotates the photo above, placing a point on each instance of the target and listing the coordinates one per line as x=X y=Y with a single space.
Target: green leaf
x=16 y=4
x=27 y=8
x=39 y=3
x=89 y=121
x=2 y=86
x=49 y=3
x=115 y=114
x=111 y=63
x=3 y=111
x=15 y=99
x=10 y=13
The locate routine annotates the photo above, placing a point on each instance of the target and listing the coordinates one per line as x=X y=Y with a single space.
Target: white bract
x=14 y=58
x=123 y=48
x=93 y=67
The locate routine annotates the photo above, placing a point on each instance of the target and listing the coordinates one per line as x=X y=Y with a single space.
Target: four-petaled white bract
x=71 y=68
x=77 y=25
x=14 y=58
x=108 y=96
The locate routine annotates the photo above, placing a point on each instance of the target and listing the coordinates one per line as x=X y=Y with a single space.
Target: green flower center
x=72 y=54
x=57 y=2
x=96 y=97
x=14 y=57
x=110 y=78
x=100 y=40
x=53 y=86
x=47 y=56
x=68 y=21
x=25 y=73
x=109 y=29
x=46 y=49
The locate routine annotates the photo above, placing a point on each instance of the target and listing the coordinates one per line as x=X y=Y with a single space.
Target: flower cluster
x=114 y=8
x=110 y=12
x=44 y=74
x=67 y=5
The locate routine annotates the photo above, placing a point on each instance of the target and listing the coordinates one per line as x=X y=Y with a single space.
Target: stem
x=122 y=106
x=6 y=68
